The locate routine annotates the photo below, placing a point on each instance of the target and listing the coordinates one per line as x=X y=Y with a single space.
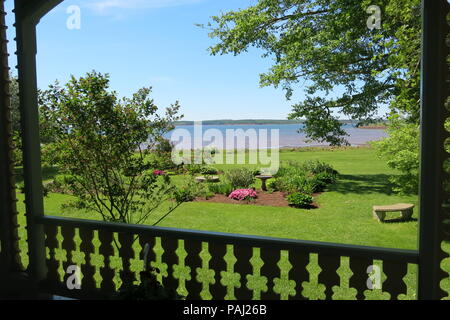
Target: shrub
x=307 y=178
x=190 y=190
x=401 y=151
x=299 y=183
x=240 y=178
x=326 y=177
x=162 y=161
x=193 y=168
x=299 y=200
x=275 y=184
x=317 y=167
x=184 y=195
x=243 y=194
x=220 y=188
x=256 y=172
x=208 y=170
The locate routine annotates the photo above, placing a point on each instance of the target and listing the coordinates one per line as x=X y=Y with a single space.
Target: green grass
x=344 y=216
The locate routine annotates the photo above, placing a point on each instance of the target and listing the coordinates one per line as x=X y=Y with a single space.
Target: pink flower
x=243 y=194
x=159 y=173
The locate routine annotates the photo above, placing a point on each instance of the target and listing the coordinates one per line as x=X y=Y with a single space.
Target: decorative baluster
x=360 y=276
x=52 y=244
x=126 y=253
x=151 y=256
x=218 y=264
x=270 y=270
x=107 y=251
x=244 y=267
x=328 y=276
x=194 y=261
x=298 y=272
x=68 y=244
x=394 y=284
x=87 y=269
x=170 y=258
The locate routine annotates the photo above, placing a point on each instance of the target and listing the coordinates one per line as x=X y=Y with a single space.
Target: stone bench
x=379 y=212
x=208 y=179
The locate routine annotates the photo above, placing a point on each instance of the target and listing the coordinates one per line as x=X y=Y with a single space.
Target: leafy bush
x=240 y=178
x=193 y=168
x=275 y=184
x=300 y=183
x=224 y=188
x=299 y=200
x=256 y=172
x=317 y=167
x=190 y=190
x=243 y=194
x=326 y=177
x=162 y=161
x=209 y=170
x=401 y=151
x=184 y=195
x=307 y=178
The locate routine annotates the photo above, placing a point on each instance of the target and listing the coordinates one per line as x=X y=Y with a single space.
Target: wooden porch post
x=9 y=253
x=28 y=14
x=434 y=93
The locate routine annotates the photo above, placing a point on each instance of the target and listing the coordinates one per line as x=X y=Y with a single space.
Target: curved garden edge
x=273 y=199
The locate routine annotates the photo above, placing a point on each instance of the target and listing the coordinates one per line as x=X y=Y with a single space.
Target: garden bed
x=274 y=199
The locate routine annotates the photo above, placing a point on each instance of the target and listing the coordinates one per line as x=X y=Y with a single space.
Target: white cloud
x=103 y=6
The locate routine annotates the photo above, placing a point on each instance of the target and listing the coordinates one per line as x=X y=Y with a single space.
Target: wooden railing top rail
x=376 y=253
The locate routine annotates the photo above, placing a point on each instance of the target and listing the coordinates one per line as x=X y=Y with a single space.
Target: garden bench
x=379 y=212
x=208 y=178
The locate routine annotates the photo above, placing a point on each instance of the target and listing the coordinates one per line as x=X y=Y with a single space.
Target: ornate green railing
x=209 y=265
x=212 y=265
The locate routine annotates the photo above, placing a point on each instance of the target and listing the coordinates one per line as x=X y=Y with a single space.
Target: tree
x=326 y=44
x=99 y=147
x=15 y=119
x=401 y=151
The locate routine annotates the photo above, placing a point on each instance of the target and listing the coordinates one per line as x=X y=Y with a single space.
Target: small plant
x=256 y=172
x=327 y=177
x=184 y=195
x=243 y=194
x=300 y=200
x=240 y=178
x=208 y=170
x=193 y=168
x=220 y=188
x=317 y=167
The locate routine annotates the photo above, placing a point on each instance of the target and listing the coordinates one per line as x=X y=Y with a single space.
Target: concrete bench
x=208 y=179
x=379 y=212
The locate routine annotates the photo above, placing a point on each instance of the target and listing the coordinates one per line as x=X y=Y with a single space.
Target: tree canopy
x=101 y=146
x=327 y=47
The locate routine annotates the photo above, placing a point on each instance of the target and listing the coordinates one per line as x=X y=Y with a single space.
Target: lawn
x=344 y=214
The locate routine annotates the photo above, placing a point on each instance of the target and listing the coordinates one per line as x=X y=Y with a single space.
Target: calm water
x=288 y=134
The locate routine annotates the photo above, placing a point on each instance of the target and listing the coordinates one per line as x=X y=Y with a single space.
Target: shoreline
x=373 y=127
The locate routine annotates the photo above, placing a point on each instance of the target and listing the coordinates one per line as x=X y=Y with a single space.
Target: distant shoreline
x=248 y=122
x=373 y=127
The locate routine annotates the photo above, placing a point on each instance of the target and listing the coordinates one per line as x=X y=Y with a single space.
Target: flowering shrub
x=243 y=194
x=159 y=173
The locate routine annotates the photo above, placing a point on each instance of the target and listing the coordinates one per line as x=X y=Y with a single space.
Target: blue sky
x=156 y=43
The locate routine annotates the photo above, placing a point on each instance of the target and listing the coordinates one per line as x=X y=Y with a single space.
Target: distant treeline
x=247 y=122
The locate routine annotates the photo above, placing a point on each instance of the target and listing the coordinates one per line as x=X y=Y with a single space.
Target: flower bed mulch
x=275 y=199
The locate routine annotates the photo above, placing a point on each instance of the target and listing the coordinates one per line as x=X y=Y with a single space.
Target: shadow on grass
x=400 y=220
x=47 y=173
x=364 y=183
